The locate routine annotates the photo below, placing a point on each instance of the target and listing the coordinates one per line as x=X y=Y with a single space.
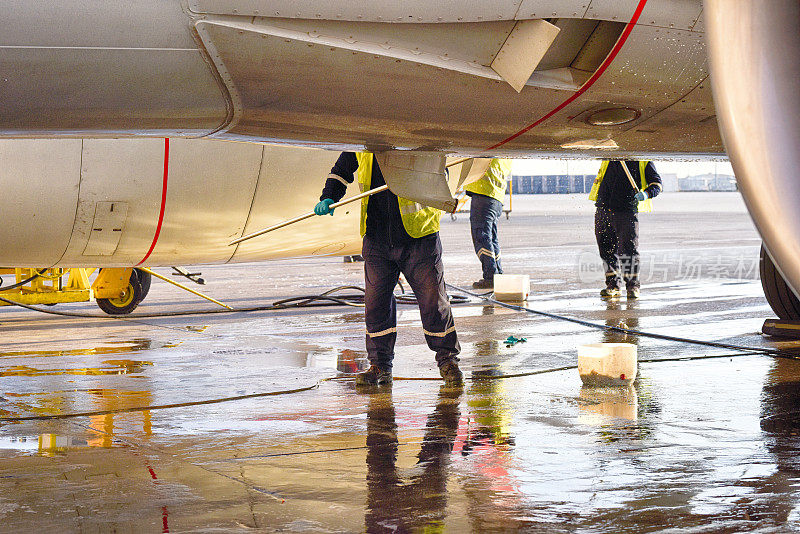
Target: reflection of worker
x=420 y=503
x=490 y=415
x=619 y=196
x=400 y=236
x=627 y=320
x=484 y=212
x=492 y=491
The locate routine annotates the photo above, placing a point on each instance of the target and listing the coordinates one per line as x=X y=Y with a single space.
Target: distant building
x=582 y=183
x=708 y=182
x=669 y=182
x=551 y=184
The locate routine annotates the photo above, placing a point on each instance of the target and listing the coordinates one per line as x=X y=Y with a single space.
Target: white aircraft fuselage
x=603 y=78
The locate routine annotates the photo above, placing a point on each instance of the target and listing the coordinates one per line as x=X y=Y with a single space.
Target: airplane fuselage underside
x=615 y=78
x=379 y=74
x=124 y=202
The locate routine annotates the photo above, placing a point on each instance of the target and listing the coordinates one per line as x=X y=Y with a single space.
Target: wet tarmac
x=189 y=426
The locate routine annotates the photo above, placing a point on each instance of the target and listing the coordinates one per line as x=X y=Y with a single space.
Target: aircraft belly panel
x=209 y=191
x=40 y=180
x=373 y=11
x=665 y=13
x=689 y=122
x=106 y=230
x=209 y=195
x=677 y=68
x=671 y=91
x=534 y=9
x=74 y=91
x=117 y=171
x=96 y=23
x=298 y=174
x=471 y=43
x=679 y=14
x=286 y=87
x=309 y=92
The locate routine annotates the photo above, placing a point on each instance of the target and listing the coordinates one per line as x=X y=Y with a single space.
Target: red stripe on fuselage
x=163 y=201
x=603 y=66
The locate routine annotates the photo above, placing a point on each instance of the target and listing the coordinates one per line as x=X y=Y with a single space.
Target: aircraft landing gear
x=781 y=299
x=133 y=294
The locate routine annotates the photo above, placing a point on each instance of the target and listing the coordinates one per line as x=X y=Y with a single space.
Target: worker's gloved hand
x=641 y=196
x=323 y=207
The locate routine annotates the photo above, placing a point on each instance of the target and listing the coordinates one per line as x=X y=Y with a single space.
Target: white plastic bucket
x=512 y=287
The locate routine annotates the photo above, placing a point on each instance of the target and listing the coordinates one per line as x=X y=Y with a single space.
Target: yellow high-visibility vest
x=418 y=220
x=493 y=183
x=644 y=206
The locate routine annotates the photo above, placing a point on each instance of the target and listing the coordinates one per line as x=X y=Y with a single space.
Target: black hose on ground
x=759 y=350
x=329 y=299
x=158 y=406
x=474 y=377
x=314 y=300
x=304 y=301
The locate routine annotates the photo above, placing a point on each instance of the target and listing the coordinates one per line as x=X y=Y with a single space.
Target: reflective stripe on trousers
x=484 y=212
x=385 y=332
x=420 y=260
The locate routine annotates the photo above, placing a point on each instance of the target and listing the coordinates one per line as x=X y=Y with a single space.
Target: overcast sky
x=524 y=167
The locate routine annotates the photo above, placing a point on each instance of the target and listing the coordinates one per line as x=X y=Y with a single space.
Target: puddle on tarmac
x=98 y=430
x=115 y=367
x=44 y=444
x=116 y=347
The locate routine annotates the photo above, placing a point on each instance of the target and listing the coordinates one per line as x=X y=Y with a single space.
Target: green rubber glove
x=323 y=207
x=511 y=341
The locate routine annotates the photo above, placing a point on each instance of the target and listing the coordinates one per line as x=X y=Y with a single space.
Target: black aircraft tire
x=126 y=304
x=144 y=280
x=779 y=295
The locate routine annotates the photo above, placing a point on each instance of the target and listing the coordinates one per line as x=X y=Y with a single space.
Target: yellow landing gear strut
x=117 y=290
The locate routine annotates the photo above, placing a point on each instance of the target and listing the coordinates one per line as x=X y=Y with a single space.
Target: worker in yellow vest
x=399 y=236
x=485 y=210
x=621 y=190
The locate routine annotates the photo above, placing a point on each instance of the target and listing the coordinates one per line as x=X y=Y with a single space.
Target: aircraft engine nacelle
x=121 y=202
x=754 y=51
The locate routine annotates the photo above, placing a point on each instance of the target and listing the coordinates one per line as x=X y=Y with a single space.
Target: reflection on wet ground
x=110 y=347
x=709 y=445
x=111 y=367
x=699 y=445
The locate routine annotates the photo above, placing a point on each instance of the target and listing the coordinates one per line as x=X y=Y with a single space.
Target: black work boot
x=609 y=293
x=451 y=373
x=612 y=286
x=374 y=376
x=483 y=283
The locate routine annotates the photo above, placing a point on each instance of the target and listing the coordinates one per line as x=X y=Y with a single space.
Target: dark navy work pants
x=420 y=260
x=484 y=213
x=617 y=234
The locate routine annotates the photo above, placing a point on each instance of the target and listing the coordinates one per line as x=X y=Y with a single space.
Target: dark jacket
x=384 y=222
x=616 y=192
